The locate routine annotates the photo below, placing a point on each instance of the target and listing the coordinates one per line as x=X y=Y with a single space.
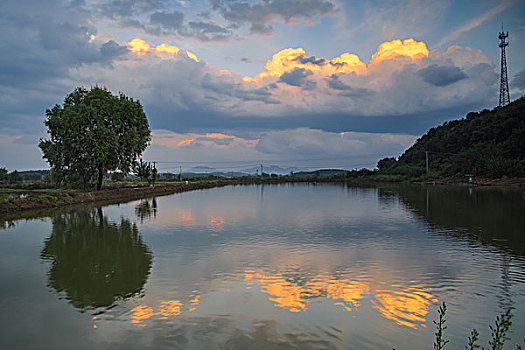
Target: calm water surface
x=266 y=267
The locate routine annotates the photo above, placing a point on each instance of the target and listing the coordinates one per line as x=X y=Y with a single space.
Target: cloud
x=300 y=146
x=392 y=49
x=207 y=31
x=402 y=78
x=518 y=82
x=259 y=15
x=295 y=77
x=170 y=20
x=441 y=75
x=473 y=23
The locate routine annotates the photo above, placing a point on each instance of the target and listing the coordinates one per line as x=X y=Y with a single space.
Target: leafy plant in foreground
x=474 y=336
x=503 y=323
x=440 y=342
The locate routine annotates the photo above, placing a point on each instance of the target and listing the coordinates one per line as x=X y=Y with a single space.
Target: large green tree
x=93 y=132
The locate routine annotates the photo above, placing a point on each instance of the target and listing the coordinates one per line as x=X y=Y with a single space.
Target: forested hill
x=488 y=143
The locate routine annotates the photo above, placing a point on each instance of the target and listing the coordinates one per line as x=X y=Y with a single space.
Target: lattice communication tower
x=504 y=97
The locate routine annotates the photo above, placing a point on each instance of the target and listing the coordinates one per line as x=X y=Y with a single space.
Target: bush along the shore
x=498 y=332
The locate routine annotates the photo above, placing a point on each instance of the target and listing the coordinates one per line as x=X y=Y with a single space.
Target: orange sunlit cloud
x=141 y=47
x=218 y=136
x=185 y=142
x=409 y=48
x=289 y=59
x=210 y=140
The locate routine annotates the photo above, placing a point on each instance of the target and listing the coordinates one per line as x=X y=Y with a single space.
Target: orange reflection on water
x=166 y=309
x=408 y=307
x=295 y=296
x=186 y=217
x=141 y=313
x=170 y=308
x=215 y=222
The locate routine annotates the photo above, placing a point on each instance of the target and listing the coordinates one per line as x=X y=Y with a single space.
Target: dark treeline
x=490 y=143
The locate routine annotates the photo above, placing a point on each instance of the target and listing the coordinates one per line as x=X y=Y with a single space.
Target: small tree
x=91 y=133
x=386 y=163
x=144 y=171
x=3 y=175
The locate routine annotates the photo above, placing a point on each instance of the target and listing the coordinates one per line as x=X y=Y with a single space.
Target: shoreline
x=51 y=199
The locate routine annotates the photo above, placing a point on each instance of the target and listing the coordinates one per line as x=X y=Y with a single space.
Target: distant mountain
x=201 y=169
x=490 y=143
x=271 y=169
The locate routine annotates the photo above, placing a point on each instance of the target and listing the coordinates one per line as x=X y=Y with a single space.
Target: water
x=266 y=267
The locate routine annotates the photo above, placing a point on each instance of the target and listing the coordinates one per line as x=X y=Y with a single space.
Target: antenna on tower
x=504 y=97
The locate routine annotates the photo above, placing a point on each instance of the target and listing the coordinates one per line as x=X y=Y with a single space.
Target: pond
x=326 y=266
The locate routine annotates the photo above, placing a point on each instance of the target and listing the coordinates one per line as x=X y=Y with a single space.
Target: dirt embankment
x=29 y=200
x=42 y=200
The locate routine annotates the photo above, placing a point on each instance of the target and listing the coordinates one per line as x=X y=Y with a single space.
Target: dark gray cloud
x=347 y=90
x=169 y=20
x=296 y=77
x=259 y=15
x=336 y=84
x=221 y=87
x=304 y=60
x=518 y=82
x=115 y=9
x=111 y=50
x=41 y=47
x=207 y=31
x=441 y=75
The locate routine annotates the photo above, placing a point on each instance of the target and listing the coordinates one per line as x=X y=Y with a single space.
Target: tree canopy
x=92 y=132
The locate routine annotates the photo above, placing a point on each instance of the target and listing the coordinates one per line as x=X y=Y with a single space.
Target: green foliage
x=498 y=333
x=489 y=143
x=117 y=176
x=474 y=336
x=14 y=177
x=3 y=175
x=146 y=172
x=386 y=163
x=91 y=133
x=143 y=170
x=440 y=342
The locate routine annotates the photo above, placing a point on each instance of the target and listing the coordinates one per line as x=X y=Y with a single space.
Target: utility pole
x=504 y=97
x=154 y=175
x=426 y=156
x=261 y=170
x=180 y=173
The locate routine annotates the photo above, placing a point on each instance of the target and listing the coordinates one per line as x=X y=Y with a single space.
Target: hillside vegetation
x=488 y=144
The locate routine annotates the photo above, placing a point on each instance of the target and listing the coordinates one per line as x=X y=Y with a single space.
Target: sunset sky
x=232 y=84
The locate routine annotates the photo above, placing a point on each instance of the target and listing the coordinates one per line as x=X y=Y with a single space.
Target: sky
x=231 y=84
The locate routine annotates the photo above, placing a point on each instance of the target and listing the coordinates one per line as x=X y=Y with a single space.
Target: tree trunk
x=100 y=178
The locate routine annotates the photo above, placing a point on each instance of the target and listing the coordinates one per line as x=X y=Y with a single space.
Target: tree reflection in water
x=146 y=209
x=95 y=262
